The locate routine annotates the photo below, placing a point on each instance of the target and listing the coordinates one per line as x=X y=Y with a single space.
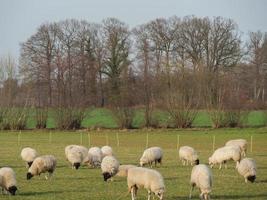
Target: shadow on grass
x=262 y=181
x=39 y=193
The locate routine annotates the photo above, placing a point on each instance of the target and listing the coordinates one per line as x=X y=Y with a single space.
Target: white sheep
x=8 y=181
x=28 y=154
x=109 y=166
x=247 y=168
x=242 y=143
x=224 y=154
x=201 y=177
x=42 y=164
x=95 y=156
x=149 y=179
x=150 y=155
x=188 y=154
x=123 y=170
x=76 y=155
x=107 y=151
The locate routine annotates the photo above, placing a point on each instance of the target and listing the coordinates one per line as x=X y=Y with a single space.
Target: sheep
x=149 y=179
x=247 y=168
x=107 y=151
x=188 y=154
x=201 y=177
x=28 y=154
x=95 y=156
x=42 y=164
x=150 y=155
x=242 y=143
x=224 y=154
x=76 y=155
x=123 y=170
x=109 y=166
x=8 y=181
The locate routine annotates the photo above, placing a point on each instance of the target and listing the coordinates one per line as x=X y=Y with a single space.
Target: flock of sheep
x=137 y=177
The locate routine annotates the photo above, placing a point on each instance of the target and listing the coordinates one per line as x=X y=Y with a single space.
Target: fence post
x=178 y=142
x=19 y=135
x=118 y=141
x=81 y=138
x=213 y=143
x=146 y=140
x=251 y=143
x=50 y=137
x=89 y=139
x=107 y=139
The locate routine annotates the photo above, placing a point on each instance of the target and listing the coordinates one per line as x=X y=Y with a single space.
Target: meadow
x=87 y=183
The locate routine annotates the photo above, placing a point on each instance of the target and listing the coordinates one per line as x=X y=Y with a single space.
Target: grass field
x=102 y=117
x=87 y=183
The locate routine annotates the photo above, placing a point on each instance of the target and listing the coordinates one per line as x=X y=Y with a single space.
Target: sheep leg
x=220 y=166
x=149 y=194
x=133 y=192
x=191 y=190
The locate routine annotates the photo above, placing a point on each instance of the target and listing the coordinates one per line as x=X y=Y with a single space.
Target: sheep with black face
x=110 y=167
x=8 y=180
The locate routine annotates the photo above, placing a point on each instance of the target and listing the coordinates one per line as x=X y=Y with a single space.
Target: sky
x=19 y=19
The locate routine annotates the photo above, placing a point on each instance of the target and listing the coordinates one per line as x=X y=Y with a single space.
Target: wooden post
x=89 y=140
x=50 y=137
x=107 y=139
x=213 y=143
x=146 y=140
x=81 y=138
x=178 y=142
x=19 y=137
x=251 y=143
x=118 y=141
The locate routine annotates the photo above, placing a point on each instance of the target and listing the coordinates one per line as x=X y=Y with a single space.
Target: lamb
x=123 y=170
x=110 y=167
x=42 y=164
x=28 y=154
x=201 y=177
x=95 y=156
x=150 y=155
x=247 y=168
x=224 y=154
x=188 y=154
x=107 y=151
x=8 y=181
x=76 y=155
x=242 y=143
x=149 y=179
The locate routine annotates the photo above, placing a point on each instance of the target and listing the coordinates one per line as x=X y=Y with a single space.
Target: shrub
x=124 y=117
x=13 y=118
x=41 y=116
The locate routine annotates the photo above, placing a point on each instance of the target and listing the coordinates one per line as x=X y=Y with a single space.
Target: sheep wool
x=76 y=155
x=224 y=154
x=28 y=154
x=150 y=155
x=188 y=154
x=201 y=177
x=95 y=156
x=8 y=180
x=42 y=164
x=107 y=151
x=109 y=166
x=149 y=179
x=242 y=143
x=123 y=170
x=247 y=168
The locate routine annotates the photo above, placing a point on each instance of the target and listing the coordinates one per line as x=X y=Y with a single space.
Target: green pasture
x=88 y=184
x=103 y=118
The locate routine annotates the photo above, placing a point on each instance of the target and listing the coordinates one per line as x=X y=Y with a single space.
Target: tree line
x=180 y=65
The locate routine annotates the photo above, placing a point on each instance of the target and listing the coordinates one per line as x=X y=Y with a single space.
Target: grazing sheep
x=242 y=143
x=149 y=179
x=150 y=155
x=188 y=154
x=76 y=155
x=95 y=156
x=107 y=151
x=8 y=181
x=109 y=166
x=201 y=177
x=28 y=154
x=42 y=164
x=123 y=170
x=247 y=168
x=224 y=154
